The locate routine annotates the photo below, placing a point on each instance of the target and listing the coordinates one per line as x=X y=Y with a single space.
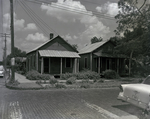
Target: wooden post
x=37 y=63
x=91 y=61
x=78 y=65
x=12 y=39
x=42 y=66
x=99 y=61
x=61 y=66
x=49 y=65
x=75 y=65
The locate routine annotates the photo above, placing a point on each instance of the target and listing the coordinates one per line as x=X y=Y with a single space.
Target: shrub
x=66 y=76
x=71 y=80
x=85 y=85
x=33 y=75
x=45 y=77
x=110 y=74
x=88 y=74
x=60 y=86
x=53 y=81
x=85 y=74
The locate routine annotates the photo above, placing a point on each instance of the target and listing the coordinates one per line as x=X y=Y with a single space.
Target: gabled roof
x=37 y=48
x=55 y=53
x=90 y=48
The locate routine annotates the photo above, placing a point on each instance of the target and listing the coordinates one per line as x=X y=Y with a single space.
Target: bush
x=110 y=74
x=67 y=76
x=71 y=80
x=33 y=75
x=60 y=86
x=85 y=85
x=85 y=74
x=53 y=81
x=45 y=77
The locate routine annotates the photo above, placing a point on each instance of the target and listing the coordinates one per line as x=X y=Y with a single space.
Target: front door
x=55 y=65
x=46 y=65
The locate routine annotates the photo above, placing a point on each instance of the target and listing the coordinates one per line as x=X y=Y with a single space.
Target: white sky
x=75 y=21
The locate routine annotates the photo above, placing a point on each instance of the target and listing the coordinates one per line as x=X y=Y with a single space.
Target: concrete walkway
x=25 y=83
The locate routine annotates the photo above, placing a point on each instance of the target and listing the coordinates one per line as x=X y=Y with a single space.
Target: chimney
x=51 y=36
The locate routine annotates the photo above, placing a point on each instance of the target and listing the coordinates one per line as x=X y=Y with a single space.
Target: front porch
x=109 y=63
x=58 y=62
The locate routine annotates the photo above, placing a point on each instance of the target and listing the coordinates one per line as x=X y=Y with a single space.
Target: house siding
x=51 y=65
x=102 y=59
x=82 y=63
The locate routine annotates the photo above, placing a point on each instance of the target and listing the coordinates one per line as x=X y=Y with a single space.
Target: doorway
x=46 y=65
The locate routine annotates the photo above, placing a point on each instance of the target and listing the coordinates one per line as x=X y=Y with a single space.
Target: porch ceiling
x=56 y=53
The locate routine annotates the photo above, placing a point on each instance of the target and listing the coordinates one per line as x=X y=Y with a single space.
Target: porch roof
x=109 y=55
x=56 y=53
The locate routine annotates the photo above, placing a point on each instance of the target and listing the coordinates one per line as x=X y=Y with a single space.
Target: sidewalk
x=25 y=83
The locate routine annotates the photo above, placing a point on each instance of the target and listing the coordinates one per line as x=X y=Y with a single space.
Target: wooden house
x=56 y=56
x=99 y=57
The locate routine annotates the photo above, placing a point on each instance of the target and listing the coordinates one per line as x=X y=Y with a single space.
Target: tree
x=75 y=46
x=95 y=39
x=133 y=30
x=17 y=53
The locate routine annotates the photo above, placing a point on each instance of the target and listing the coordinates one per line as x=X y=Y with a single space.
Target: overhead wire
x=38 y=21
x=75 y=10
x=39 y=18
x=27 y=12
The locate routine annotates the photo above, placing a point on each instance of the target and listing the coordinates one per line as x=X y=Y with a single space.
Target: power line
x=33 y=18
x=40 y=19
x=75 y=10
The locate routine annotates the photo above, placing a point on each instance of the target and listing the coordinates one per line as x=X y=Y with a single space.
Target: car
x=136 y=94
x=1 y=71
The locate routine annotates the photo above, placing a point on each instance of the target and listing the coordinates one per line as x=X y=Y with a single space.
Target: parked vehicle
x=136 y=94
x=1 y=71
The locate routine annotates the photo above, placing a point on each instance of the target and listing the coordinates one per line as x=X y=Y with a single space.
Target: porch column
x=49 y=65
x=91 y=61
x=37 y=63
x=61 y=66
x=42 y=65
x=75 y=65
x=117 y=65
x=78 y=65
x=99 y=61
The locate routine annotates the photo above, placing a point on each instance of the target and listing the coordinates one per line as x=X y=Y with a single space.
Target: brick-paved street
x=61 y=104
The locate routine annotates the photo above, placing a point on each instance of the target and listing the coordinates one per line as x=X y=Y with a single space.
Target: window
x=85 y=62
x=68 y=62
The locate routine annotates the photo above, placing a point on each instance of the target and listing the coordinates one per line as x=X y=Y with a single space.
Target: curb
x=22 y=88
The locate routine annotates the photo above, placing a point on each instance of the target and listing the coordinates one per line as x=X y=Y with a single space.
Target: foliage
x=133 y=30
x=85 y=85
x=71 y=80
x=84 y=74
x=60 y=86
x=95 y=40
x=53 y=81
x=33 y=75
x=75 y=46
x=110 y=74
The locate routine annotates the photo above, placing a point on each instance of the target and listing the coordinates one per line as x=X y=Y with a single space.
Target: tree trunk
x=130 y=61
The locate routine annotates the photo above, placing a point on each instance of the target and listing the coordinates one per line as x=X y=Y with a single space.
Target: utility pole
x=12 y=41
x=5 y=52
